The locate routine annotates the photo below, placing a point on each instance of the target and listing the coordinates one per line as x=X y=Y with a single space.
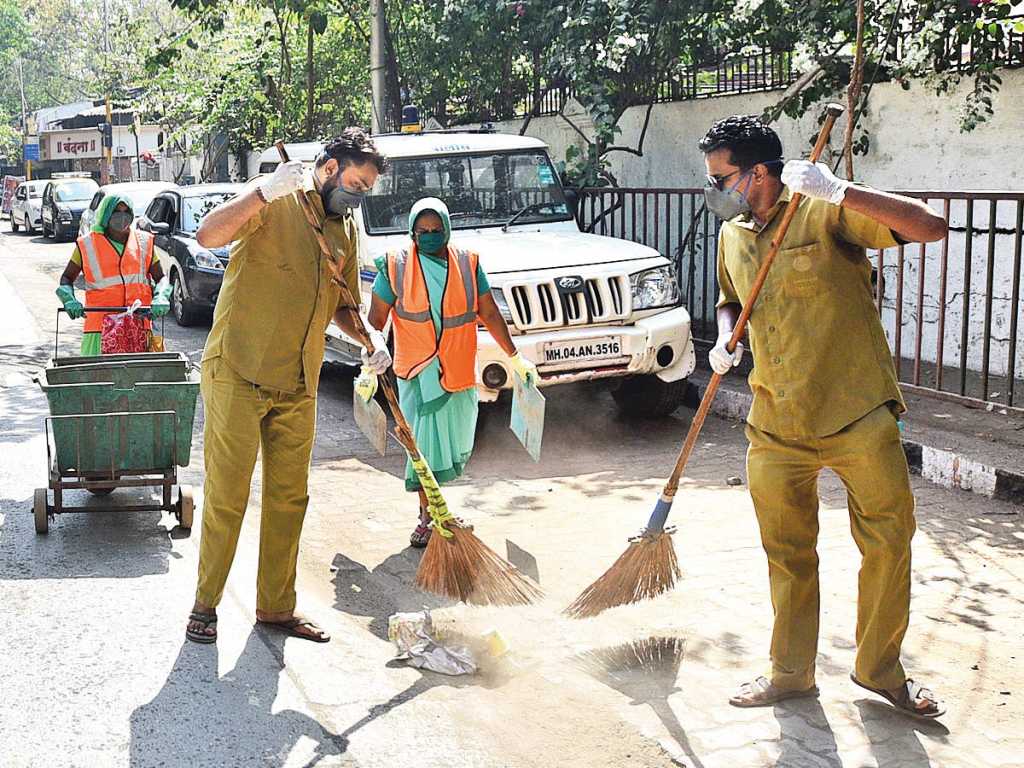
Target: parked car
x=579 y=305
x=62 y=206
x=26 y=208
x=195 y=272
x=140 y=193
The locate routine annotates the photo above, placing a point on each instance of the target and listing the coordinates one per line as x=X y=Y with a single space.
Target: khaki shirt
x=277 y=298
x=821 y=360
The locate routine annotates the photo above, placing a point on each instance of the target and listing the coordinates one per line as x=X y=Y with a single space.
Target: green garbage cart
x=118 y=421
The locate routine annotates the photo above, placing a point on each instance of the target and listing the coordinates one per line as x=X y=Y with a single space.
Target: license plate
x=589 y=349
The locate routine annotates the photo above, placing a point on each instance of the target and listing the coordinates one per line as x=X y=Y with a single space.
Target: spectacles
x=718 y=182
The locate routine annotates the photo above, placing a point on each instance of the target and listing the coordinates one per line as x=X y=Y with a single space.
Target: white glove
x=721 y=361
x=285 y=179
x=379 y=360
x=814 y=180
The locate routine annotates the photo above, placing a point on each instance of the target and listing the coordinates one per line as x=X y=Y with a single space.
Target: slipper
x=762 y=693
x=291 y=628
x=907 y=702
x=209 y=621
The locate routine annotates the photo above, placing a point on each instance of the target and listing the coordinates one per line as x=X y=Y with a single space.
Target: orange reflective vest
x=416 y=339
x=113 y=280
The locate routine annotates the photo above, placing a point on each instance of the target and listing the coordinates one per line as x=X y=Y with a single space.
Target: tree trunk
x=310 y=80
x=854 y=91
x=393 y=76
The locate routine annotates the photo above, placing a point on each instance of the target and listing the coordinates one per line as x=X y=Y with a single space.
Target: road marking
x=17 y=326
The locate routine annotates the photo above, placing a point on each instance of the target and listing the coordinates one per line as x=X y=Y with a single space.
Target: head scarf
x=105 y=208
x=435 y=205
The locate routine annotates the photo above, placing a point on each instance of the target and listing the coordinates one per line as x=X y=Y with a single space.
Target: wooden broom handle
x=403 y=431
x=832 y=111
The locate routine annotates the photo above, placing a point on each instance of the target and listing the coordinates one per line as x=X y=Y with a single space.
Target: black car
x=195 y=272
x=62 y=206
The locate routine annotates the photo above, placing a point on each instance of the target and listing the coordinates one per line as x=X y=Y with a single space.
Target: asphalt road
x=95 y=669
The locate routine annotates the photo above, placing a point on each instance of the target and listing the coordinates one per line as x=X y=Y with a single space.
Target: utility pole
x=24 y=121
x=377 y=63
x=107 y=150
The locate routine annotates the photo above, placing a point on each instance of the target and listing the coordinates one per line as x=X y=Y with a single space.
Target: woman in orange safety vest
x=435 y=294
x=117 y=263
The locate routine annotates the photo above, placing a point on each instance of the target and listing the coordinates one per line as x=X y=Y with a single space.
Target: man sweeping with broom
x=825 y=395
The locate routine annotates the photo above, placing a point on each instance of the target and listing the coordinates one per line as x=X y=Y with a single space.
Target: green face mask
x=431 y=243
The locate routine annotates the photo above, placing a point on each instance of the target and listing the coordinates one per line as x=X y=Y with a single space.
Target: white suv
x=581 y=306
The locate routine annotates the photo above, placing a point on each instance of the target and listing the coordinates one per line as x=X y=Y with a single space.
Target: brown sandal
x=909 y=700
x=209 y=621
x=761 y=692
x=291 y=627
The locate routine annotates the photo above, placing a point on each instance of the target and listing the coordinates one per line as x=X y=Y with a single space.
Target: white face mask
x=728 y=203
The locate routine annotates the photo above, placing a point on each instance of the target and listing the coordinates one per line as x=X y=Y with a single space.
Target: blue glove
x=74 y=308
x=161 y=303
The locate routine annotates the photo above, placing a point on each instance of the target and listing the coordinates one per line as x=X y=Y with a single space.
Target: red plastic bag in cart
x=124 y=333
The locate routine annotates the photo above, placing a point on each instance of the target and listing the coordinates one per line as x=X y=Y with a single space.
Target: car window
x=20 y=193
x=480 y=190
x=161 y=211
x=139 y=199
x=73 y=191
x=96 y=200
x=35 y=191
x=193 y=209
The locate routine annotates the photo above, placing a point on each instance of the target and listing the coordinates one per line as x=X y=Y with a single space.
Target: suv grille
x=541 y=305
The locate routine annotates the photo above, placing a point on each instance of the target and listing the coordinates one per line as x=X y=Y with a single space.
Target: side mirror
x=572 y=197
x=160 y=228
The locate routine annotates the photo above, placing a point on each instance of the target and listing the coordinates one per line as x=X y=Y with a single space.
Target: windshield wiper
x=523 y=211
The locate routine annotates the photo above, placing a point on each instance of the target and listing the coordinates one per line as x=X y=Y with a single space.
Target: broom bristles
x=646 y=569
x=464 y=568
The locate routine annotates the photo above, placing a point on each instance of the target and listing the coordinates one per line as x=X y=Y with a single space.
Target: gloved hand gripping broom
x=456 y=563
x=649 y=566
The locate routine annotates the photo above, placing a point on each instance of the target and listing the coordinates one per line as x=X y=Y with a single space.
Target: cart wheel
x=39 y=508
x=185 y=506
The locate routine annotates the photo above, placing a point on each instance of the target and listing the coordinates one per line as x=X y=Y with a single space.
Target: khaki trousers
x=868 y=457
x=241 y=419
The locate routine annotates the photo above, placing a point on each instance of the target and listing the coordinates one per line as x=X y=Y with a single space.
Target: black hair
x=353 y=147
x=749 y=140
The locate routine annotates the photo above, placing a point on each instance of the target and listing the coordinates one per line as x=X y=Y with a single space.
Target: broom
x=456 y=563
x=649 y=566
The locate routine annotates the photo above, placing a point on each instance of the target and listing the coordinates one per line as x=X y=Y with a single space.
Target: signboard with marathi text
x=72 y=145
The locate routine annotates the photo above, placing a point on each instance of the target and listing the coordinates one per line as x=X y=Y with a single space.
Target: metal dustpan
x=370 y=418
x=527 y=416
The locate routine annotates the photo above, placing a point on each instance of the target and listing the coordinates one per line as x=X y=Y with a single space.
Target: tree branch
x=639 y=151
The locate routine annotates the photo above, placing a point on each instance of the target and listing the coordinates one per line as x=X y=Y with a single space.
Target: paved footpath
x=96 y=671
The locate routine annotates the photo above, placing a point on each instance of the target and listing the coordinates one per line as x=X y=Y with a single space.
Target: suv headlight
x=206 y=260
x=657 y=287
x=499 y=301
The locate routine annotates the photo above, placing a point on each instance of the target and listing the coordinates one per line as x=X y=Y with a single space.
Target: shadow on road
x=198 y=719
x=385 y=590
x=97 y=545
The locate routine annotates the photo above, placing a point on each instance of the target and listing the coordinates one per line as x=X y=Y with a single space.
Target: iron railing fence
x=951 y=309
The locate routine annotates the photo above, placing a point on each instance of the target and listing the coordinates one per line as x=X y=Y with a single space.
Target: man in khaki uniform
x=262 y=363
x=825 y=395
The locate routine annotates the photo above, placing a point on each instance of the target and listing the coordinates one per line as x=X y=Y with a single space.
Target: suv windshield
x=73 y=191
x=483 y=190
x=193 y=209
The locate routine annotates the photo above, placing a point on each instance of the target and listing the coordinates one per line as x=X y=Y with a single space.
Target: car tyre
x=29 y=228
x=46 y=232
x=648 y=397
x=14 y=223
x=185 y=314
